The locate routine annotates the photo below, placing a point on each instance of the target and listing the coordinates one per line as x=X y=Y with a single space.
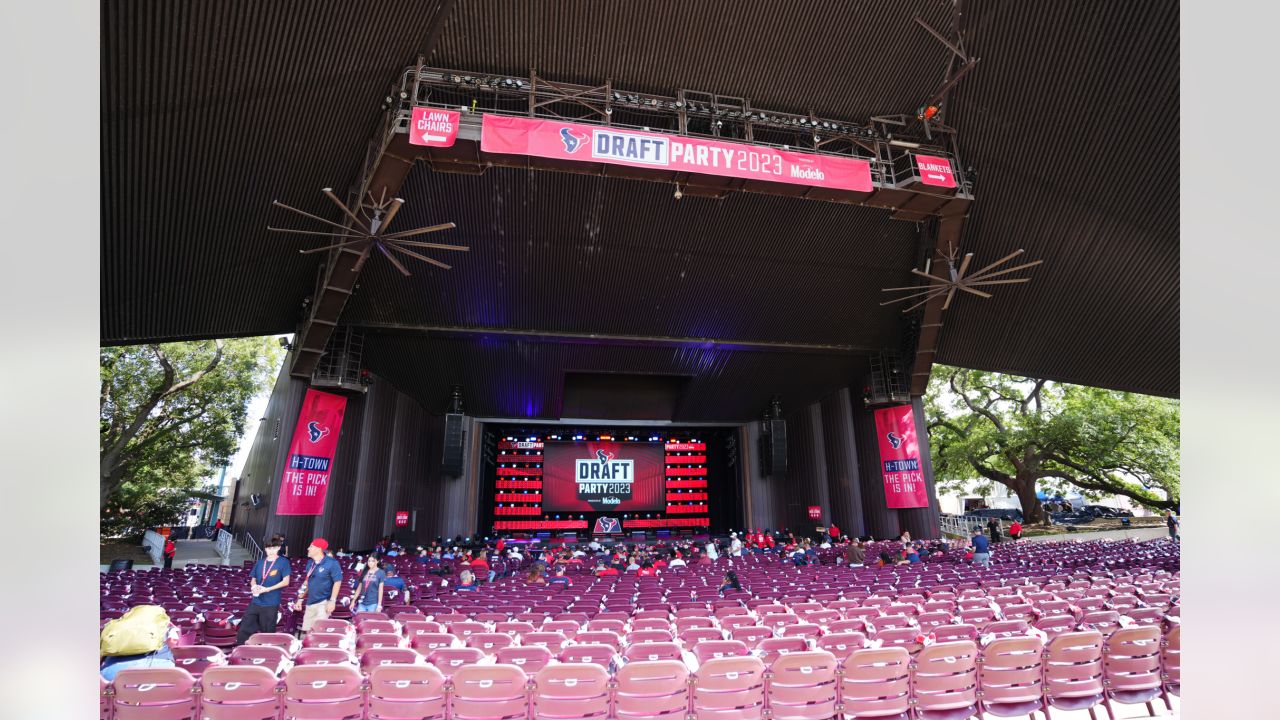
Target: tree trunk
x=1032 y=512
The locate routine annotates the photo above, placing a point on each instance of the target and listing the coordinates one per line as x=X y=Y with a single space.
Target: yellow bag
x=143 y=629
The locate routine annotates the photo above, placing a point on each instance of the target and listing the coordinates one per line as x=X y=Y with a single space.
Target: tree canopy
x=169 y=414
x=1020 y=431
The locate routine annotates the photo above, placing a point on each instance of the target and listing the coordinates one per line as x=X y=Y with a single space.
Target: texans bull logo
x=604 y=457
x=315 y=432
x=894 y=439
x=607 y=525
x=572 y=141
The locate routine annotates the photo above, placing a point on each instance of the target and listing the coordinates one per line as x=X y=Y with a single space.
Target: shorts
x=363 y=608
x=314 y=612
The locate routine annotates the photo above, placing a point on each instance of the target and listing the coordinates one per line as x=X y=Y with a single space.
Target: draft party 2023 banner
x=900 y=458
x=315 y=440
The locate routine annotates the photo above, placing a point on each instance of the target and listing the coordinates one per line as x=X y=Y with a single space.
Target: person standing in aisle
x=170 y=550
x=269 y=577
x=320 y=586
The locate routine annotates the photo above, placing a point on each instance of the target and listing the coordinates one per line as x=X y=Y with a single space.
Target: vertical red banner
x=900 y=458
x=308 y=465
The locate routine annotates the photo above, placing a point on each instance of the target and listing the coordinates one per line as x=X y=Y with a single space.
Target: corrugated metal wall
x=388 y=459
x=881 y=522
x=840 y=446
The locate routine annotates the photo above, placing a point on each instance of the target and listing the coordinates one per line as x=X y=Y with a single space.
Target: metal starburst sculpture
x=368 y=231
x=957 y=279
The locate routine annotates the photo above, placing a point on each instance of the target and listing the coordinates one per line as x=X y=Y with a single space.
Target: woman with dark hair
x=729 y=582
x=368 y=594
x=884 y=561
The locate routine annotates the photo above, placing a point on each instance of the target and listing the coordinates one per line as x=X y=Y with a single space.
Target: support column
x=881 y=522
x=840 y=444
x=923 y=522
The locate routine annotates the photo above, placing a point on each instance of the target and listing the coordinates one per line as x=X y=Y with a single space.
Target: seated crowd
x=764 y=624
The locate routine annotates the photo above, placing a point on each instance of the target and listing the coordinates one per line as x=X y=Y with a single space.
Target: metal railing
x=154 y=543
x=252 y=546
x=960 y=525
x=223 y=544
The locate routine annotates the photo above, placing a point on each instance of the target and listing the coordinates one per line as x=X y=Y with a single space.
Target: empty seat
x=1171 y=663
x=406 y=691
x=876 y=683
x=1006 y=628
x=153 y=694
x=648 y=636
x=326 y=640
x=1010 y=677
x=691 y=637
x=489 y=643
x=944 y=681
x=384 y=627
x=905 y=638
x=705 y=651
x=1131 y=666
x=530 y=658
x=269 y=657
x=489 y=692
x=775 y=647
x=450 y=659
x=1055 y=625
x=571 y=690
x=323 y=656
x=513 y=628
x=374 y=641
x=1104 y=621
x=1073 y=671
x=195 y=659
x=599 y=637
x=553 y=641
x=463 y=629
x=841 y=645
x=731 y=688
x=750 y=635
x=329 y=625
x=802 y=686
x=323 y=691
x=601 y=655
x=653 y=651
x=239 y=693
x=656 y=690
x=388 y=656
x=426 y=642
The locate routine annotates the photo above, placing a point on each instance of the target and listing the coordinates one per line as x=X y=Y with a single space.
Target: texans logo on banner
x=315 y=432
x=605 y=481
x=900 y=458
x=607 y=526
x=572 y=141
x=305 y=481
x=894 y=439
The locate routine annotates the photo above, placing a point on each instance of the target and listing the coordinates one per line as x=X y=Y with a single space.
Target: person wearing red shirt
x=603 y=570
x=647 y=570
x=1015 y=530
x=170 y=550
x=480 y=567
x=769 y=541
x=502 y=543
x=834 y=532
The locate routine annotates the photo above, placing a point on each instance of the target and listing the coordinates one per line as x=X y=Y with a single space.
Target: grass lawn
x=1096 y=525
x=109 y=550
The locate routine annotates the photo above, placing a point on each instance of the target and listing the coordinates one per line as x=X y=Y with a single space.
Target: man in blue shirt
x=394 y=582
x=321 y=586
x=270 y=575
x=981 y=547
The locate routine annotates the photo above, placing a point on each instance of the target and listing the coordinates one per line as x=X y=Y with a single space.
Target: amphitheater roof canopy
x=1070 y=122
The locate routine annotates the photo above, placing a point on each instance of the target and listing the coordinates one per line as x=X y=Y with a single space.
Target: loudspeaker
x=451 y=464
x=777 y=447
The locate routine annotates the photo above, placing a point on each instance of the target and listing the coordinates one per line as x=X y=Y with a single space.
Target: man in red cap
x=321 y=585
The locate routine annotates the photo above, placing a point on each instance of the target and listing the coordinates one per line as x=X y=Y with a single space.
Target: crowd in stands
x=529 y=616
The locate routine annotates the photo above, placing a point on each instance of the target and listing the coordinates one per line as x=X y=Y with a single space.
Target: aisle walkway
x=202 y=552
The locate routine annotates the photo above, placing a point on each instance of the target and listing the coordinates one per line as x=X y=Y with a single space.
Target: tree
x=168 y=415
x=1018 y=431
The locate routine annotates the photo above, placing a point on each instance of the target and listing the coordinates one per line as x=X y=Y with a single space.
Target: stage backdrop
x=602 y=476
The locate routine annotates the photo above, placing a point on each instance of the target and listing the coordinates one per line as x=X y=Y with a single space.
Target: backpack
x=143 y=629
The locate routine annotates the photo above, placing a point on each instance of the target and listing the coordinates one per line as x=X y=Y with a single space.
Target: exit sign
x=815 y=512
x=402 y=518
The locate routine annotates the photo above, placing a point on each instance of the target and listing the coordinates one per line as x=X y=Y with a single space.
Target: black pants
x=257 y=618
x=168 y=562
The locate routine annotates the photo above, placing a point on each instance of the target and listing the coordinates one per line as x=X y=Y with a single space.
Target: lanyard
x=266 y=571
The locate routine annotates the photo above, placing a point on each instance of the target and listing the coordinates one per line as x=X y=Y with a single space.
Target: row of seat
x=1009 y=676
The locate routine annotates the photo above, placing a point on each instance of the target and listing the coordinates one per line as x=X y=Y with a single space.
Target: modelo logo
x=807 y=173
x=630 y=147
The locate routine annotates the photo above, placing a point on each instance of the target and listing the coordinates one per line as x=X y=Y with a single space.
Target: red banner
x=900 y=458
x=310 y=458
x=513 y=458
x=685 y=447
x=686 y=459
x=815 y=512
x=612 y=146
x=433 y=127
x=685 y=472
x=519 y=445
x=935 y=171
x=402 y=518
